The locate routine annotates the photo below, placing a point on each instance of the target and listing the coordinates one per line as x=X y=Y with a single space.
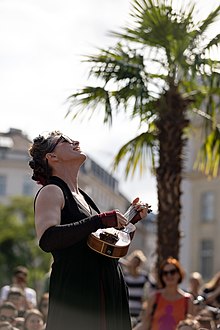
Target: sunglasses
x=61 y=138
x=169 y=272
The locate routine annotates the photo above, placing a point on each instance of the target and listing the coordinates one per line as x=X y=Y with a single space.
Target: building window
x=2 y=185
x=207 y=256
x=208 y=206
x=27 y=188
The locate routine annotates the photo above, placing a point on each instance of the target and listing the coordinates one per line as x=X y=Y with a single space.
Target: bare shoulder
x=48 y=205
x=49 y=188
x=49 y=192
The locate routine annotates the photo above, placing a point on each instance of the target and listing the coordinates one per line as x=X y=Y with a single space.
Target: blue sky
x=42 y=43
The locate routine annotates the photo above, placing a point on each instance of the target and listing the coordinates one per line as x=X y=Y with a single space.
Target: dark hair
x=20 y=270
x=8 y=305
x=176 y=264
x=38 y=150
x=15 y=291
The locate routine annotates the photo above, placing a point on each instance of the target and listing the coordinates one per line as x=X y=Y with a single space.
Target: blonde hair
x=137 y=254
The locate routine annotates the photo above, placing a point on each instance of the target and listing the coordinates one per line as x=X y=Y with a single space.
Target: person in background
x=6 y=326
x=195 y=284
x=8 y=312
x=17 y=297
x=206 y=319
x=188 y=324
x=43 y=305
x=211 y=291
x=170 y=304
x=136 y=279
x=20 y=280
x=34 y=320
x=87 y=289
x=19 y=323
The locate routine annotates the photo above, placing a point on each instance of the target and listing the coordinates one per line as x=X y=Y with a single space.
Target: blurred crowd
x=195 y=307
x=169 y=298
x=20 y=306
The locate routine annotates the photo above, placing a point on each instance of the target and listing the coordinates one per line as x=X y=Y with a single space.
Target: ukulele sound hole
x=109 y=238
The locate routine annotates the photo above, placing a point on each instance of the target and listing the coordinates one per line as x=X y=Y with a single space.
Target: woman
x=169 y=305
x=87 y=289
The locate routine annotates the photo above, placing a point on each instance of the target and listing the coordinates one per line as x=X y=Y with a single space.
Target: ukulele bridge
x=109 y=237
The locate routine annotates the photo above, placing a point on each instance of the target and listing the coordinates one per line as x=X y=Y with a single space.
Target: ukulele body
x=112 y=242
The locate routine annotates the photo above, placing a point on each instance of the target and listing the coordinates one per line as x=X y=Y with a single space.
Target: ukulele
x=112 y=242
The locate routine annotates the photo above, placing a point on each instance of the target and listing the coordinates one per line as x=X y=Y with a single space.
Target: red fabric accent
x=109 y=219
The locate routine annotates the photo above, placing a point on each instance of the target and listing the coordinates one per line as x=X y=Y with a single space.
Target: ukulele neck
x=130 y=213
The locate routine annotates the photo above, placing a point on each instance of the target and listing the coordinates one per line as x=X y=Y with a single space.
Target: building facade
x=200 y=223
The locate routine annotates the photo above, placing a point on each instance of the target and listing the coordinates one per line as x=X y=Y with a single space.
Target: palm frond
x=137 y=152
x=117 y=64
x=90 y=98
x=214 y=42
x=208 y=160
x=205 y=24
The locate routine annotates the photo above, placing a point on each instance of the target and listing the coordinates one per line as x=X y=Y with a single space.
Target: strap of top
x=60 y=183
x=156 y=303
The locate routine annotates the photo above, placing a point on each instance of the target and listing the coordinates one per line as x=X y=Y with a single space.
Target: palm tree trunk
x=171 y=124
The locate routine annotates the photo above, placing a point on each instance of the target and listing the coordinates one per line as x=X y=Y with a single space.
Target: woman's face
x=34 y=322
x=170 y=275
x=66 y=148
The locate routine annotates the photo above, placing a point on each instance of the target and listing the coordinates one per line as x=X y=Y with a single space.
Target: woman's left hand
x=142 y=208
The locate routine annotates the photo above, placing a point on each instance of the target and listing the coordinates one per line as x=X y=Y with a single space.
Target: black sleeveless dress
x=87 y=290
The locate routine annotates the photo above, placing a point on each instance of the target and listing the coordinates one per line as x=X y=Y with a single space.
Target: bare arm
x=210 y=297
x=145 y=323
x=48 y=206
x=191 y=308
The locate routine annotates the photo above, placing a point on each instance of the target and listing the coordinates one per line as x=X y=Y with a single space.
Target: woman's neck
x=69 y=176
x=171 y=291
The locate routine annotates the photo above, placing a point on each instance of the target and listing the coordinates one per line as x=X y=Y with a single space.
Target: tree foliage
x=18 y=245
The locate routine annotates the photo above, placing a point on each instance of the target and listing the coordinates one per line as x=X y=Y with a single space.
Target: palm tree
x=160 y=71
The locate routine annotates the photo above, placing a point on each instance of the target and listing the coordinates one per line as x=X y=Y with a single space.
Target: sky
x=42 y=44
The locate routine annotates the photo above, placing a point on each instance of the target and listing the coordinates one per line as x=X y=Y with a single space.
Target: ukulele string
x=130 y=213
